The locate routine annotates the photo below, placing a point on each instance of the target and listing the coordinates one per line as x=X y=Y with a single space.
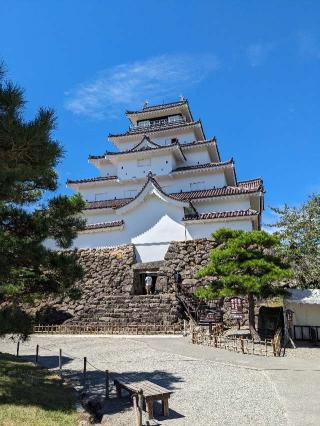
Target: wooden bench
x=151 y=393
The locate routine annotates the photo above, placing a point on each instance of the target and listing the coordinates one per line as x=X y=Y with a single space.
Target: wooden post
x=37 y=353
x=84 y=371
x=107 y=384
x=140 y=399
x=137 y=410
x=60 y=359
x=165 y=407
x=18 y=347
x=242 y=345
x=149 y=409
x=210 y=328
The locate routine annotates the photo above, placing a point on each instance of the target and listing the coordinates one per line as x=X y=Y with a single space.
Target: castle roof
x=95 y=179
x=225 y=191
x=251 y=183
x=203 y=166
x=136 y=130
x=104 y=225
x=159 y=107
x=220 y=215
x=177 y=170
x=147 y=144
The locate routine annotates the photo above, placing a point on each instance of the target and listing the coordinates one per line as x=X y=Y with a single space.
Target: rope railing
x=81 y=375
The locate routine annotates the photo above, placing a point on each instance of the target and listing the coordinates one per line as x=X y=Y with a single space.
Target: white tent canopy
x=306 y=296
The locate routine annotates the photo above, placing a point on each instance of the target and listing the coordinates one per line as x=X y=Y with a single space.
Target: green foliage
x=16 y=321
x=244 y=263
x=299 y=230
x=28 y=157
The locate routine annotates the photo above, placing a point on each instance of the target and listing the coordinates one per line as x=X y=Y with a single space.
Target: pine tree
x=28 y=158
x=244 y=264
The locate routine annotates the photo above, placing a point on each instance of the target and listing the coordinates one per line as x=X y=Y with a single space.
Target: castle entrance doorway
x=140 y=272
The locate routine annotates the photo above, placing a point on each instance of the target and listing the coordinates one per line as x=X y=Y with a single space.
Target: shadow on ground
x=93 y=384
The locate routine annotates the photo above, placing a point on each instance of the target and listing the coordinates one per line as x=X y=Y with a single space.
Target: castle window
x=175 y=118
x=144 y=123
x=144 y=162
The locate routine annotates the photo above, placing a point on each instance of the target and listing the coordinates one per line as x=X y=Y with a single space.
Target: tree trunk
x=252 y=321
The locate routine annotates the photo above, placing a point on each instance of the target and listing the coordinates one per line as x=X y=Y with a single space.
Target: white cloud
x=257 y=53
x=128 y=85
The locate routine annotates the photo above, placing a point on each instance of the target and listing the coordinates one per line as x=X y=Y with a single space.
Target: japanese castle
x=165 y=182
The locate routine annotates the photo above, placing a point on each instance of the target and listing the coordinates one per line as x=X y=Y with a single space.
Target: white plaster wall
x=159 y=165
x=304 y=314
x=108 y=170
x=204 y=230
x=218 y=205
x=199 y=156
x=99 y=216
x=183 y=137
x=209 y=180
x=160 y=220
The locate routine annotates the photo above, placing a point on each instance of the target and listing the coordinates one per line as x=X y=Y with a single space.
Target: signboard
x=236 y=307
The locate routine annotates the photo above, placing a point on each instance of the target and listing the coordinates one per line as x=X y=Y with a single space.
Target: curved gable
x=151 y=187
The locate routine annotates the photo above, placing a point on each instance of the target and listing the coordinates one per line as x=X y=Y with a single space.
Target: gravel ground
x=204 y=392
x=304 y=351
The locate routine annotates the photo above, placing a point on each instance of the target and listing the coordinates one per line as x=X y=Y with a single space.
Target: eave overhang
x=210 y=145
x=103 y=226
x=74 y=184
x=226 y=166
x=219 y=216
x=175 y=149
x=204 y=195
x=161 y=130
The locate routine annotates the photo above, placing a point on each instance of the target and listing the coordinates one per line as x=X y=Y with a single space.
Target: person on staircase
x=148 y=284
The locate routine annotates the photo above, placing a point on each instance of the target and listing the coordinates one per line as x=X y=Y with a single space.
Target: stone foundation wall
x=108 y=290
x=187 y=258
x=106 y=294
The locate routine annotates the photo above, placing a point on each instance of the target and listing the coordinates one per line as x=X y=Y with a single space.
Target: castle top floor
x=158 y=115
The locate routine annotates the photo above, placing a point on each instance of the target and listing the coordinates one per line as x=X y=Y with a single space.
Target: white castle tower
x=165 y=183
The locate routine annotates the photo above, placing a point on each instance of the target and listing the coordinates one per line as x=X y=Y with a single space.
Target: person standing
x=148 y=284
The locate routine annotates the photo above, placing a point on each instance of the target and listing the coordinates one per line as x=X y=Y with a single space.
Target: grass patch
x=31 y=395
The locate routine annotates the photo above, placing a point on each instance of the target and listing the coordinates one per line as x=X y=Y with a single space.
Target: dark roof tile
x=139 y=130
x=95 y=179
x=221 y=215
x=105 y=225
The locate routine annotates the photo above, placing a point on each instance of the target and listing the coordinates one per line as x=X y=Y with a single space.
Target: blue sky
x=250 y=70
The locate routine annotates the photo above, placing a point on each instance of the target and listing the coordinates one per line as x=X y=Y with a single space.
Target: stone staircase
x=132 y=310
x=197 y=309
